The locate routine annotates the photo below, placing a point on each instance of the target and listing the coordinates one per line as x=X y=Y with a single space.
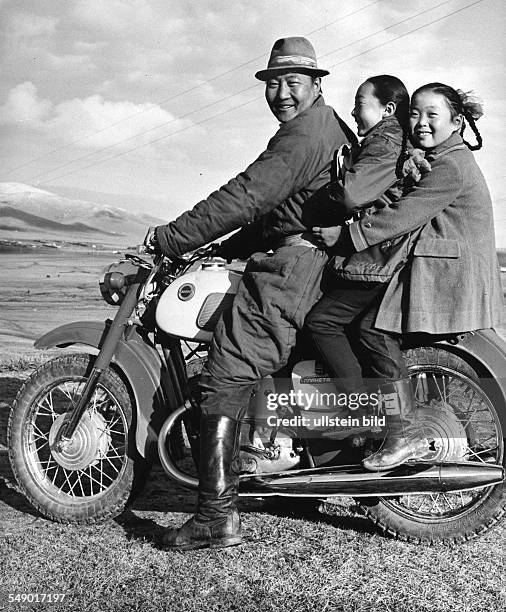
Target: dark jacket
x=374 y=165
x=372 y=179
x=294 y=166
x=452 y=283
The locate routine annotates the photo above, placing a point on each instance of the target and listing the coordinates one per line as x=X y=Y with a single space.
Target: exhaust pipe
x=351 y=480
x=348 y=480
x=166 y=460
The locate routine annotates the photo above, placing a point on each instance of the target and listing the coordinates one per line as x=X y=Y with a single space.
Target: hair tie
x=471 y=104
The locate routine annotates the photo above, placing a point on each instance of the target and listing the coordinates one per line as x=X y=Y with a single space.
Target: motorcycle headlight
x=116 y=279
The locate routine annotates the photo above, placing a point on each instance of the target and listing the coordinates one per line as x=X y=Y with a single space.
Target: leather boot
x=216 y=523
x=404 y=440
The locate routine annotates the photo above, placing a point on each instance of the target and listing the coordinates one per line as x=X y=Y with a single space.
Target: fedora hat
x=292 y=54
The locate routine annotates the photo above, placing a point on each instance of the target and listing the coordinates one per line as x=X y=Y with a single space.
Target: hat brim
x=264 y=75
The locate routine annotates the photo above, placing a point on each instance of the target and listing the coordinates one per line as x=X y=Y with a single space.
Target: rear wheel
x=461 y=421
x=92 y=478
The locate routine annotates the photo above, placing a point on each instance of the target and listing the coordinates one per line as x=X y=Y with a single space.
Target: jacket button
x=368 y=225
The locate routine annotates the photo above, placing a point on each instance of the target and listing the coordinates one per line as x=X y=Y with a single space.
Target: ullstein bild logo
x=323 y=420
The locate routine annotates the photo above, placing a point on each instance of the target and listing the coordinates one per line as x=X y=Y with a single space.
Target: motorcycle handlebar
x=210 y=250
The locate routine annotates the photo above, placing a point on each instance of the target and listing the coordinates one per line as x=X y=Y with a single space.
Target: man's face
x=290 y=94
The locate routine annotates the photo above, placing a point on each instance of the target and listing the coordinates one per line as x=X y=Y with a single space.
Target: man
x=255 y=337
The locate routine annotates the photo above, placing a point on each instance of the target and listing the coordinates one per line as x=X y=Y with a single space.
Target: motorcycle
x=85 y=427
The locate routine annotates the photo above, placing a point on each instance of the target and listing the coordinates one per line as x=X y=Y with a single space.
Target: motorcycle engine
x=260 y=454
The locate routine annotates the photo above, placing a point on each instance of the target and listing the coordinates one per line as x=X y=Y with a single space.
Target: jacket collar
x=319 y=101
x=450 y=143
x=388 y=124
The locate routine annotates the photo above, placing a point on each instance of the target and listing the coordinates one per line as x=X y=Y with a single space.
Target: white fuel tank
x=190 y=307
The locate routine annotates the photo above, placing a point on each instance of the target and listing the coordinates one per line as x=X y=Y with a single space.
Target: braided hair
x=459 y=105
x=387 y=89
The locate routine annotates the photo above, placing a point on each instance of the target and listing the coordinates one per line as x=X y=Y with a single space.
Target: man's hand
x=327 y=236
x=151 y=243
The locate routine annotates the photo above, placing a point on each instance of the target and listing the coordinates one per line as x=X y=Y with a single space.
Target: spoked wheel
x=461 y=422
x=90 y=479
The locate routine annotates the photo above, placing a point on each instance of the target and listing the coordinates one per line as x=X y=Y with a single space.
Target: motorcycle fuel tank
x=190 y=306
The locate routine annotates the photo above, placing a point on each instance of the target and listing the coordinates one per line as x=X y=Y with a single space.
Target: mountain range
x=28 y=213
x=67 y=215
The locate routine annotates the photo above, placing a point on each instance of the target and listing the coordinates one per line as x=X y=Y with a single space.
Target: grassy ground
x=295 y=556
x=297 y=563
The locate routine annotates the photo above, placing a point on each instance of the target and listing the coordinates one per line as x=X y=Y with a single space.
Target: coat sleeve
x=436 y=191
x=293 y=156
x=245 y=242
x=371 y=175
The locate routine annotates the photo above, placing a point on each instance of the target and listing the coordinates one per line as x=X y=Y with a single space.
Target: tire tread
x=385 y=519
x=91 y=513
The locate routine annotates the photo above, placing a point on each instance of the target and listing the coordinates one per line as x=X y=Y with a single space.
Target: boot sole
x=391 y=466
x=388 y=467
x=415 y=454
x=222 y=543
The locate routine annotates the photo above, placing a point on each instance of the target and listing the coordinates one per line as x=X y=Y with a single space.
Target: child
x=381 y=112
x=451 y=283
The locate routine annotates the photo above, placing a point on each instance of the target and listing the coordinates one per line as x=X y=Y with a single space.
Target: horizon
x=156 y=103
x=12 y=236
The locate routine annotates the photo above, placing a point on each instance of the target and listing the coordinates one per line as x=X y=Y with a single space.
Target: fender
x=484 y=350
x=141 y=364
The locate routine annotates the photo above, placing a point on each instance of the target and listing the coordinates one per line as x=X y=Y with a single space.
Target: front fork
x=113 y=336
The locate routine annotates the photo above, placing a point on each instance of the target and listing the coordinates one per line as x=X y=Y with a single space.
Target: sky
x=158 y=99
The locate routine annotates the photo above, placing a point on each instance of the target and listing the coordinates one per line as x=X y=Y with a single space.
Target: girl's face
x=430 y=120
x=368 y=110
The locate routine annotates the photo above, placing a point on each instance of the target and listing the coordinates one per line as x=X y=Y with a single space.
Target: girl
x=451 y=283
x=381 y=112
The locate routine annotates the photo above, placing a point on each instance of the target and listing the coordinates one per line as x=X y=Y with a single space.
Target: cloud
x=68 y=61
x=25 y=25
x=24 y=106
x=92 y=117
x=124 y=18
x=93 y=121
x=71 y=69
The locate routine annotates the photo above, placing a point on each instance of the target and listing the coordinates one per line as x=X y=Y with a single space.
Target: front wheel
x=461 y=420
x=92 y=478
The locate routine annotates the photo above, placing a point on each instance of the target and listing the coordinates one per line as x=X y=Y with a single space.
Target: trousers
x=345 y=314
x=255 y=337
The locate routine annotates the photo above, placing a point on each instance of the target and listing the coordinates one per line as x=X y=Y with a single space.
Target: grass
x=301 y=563
x=21 y=362
x=295 y=557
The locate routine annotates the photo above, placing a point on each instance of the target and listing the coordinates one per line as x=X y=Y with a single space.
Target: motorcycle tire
x=92 y=479
x=448 y=518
